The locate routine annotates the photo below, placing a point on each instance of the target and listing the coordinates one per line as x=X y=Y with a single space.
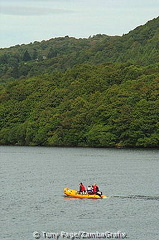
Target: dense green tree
x=26 y=56
x=97 y=106
x=100 y=92
x=35 y=54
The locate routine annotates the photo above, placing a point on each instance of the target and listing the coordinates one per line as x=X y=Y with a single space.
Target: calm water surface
x=31 y=191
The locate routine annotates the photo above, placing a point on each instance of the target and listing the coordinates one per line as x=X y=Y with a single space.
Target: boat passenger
x=96 y=190
x=89 y=190
x=82 y=189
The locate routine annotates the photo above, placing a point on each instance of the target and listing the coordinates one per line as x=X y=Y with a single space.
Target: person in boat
x=96 y=190
x=89 y=190
x=82 y=189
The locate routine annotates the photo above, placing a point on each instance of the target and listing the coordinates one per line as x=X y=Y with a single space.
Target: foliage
x=139 y=46
x=99 y=92
x=108 y=105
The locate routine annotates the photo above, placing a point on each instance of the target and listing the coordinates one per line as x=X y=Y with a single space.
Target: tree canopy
x=111 y=105
x=139 y=46
x=98 y=92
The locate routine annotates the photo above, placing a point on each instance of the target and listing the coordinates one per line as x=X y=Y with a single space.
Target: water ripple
x=142 y=197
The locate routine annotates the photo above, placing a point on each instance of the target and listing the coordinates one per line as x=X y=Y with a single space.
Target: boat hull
x=73 y=193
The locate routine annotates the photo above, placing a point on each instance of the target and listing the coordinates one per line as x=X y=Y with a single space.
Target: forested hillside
x=101 y=106
x=140 y=46
x=98 y=92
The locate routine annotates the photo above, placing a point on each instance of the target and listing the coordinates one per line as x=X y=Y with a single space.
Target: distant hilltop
x=139 y=46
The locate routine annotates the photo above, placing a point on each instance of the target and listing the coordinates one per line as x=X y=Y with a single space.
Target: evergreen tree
x=26 y=56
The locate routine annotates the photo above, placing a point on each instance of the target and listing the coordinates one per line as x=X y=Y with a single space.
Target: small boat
x=73 y=193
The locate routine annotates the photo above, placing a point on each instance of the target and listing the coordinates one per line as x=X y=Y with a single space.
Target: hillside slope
x=98 y=92
x=139 y=46
x=111 y=105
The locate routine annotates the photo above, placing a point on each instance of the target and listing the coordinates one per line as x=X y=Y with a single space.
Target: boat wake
x=138 y=197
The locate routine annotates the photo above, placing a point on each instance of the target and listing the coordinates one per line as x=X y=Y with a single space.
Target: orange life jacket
x=95 y=188
x=82 y=188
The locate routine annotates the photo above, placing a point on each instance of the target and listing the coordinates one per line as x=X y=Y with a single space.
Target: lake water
x=31 y=192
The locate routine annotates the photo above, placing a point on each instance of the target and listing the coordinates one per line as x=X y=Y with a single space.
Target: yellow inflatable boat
x=73 y=193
